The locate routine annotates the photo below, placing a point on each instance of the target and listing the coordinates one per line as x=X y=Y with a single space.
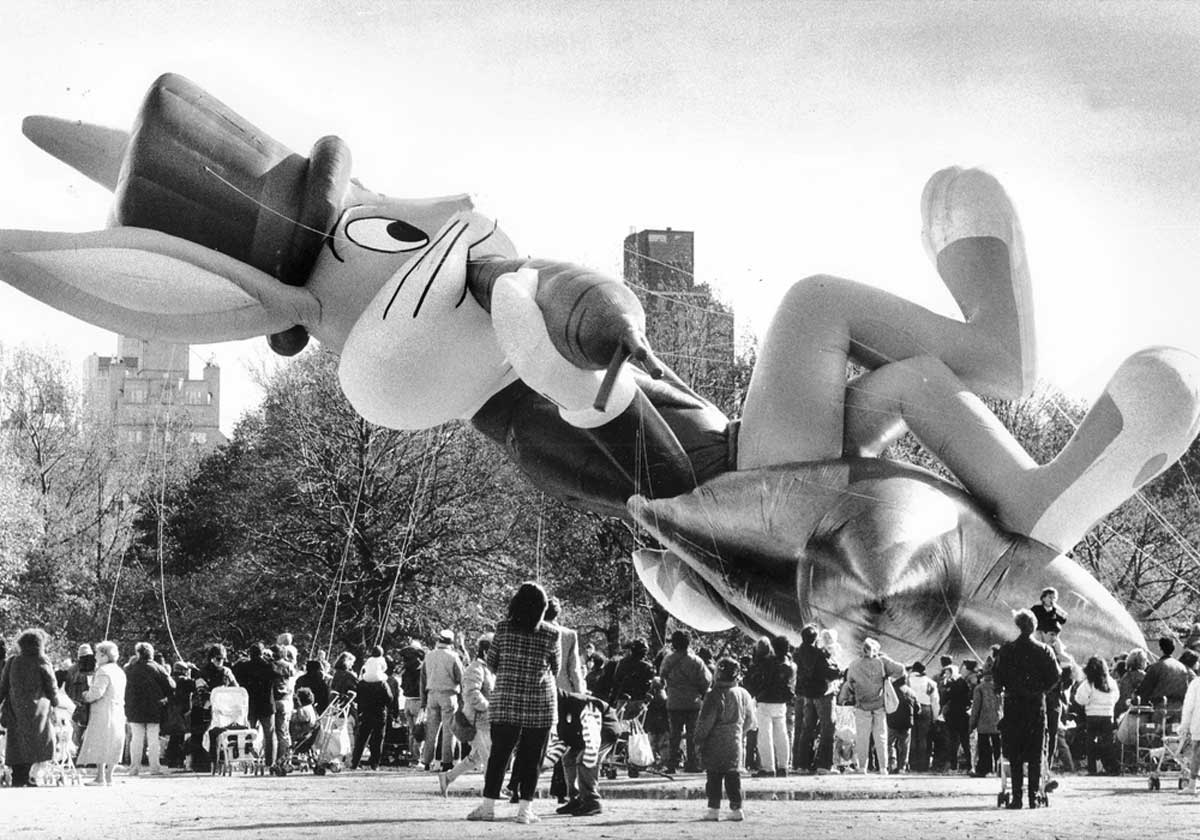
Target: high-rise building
x=689 y=329
x=146 y=393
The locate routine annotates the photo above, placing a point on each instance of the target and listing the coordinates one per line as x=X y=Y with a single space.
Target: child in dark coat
x=725 y=717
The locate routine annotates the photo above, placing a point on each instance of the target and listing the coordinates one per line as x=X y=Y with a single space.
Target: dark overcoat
x=29 y=690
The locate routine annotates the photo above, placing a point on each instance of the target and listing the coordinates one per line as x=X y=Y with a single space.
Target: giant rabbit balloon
x=787 y=516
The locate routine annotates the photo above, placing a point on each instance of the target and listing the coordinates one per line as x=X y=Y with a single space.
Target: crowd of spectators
x=539 y=697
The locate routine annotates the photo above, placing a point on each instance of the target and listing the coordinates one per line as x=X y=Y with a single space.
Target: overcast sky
x=793 y=138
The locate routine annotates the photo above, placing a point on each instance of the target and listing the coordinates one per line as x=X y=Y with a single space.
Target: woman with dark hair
x=524 y=656
x=343 y=680
x=29 y=693
x=1098 y=696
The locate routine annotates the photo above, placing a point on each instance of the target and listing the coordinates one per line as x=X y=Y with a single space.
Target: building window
x=135 y=395
x=134 y=436
x=198 y=437
x=198 y=397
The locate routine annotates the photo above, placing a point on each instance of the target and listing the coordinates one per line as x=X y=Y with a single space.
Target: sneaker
x=736 y=815
x=711 y=815
x=443 y=783
x=588 y=809
x=482 y=813
x=526 y=818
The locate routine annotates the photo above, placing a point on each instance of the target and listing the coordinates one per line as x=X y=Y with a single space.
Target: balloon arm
x=588 y=315
x=634 y=344
x=523 y=330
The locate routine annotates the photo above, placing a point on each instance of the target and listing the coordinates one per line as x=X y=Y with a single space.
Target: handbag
x=82 y=714
x=462 y=727
x=1127 y=728
x=173 y=722
x=639 y=751
x=891 y=701
x=845 y=695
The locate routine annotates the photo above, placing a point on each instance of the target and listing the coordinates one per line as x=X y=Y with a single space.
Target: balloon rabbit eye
x=390 y=236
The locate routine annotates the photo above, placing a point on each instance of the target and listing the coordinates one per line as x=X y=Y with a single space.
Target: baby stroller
x=61 y=769
x=1157 y=742
x=237 y=745
x=325 y=747
x=395 y=743
x=1047 y=785
x=632 y=749
x=844 y=760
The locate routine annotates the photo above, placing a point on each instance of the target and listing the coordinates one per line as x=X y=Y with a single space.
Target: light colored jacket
x=687 y=678
x=477 y=684
x=1096 y=703
x=443 y=669
x=867 y=675
x=1190 y=721
x=570 y=673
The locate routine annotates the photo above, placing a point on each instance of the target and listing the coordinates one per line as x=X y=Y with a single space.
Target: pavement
x=405 y=803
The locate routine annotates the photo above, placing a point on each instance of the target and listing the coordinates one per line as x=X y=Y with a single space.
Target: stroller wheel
x=319 y=770
x=634 y=772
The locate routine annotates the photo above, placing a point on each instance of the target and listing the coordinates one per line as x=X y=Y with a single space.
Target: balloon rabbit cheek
x=423 y=350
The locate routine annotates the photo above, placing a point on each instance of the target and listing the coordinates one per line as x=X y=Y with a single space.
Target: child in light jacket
x=726 y=715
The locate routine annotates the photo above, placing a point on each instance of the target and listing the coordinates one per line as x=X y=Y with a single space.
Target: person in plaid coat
x=525 y=658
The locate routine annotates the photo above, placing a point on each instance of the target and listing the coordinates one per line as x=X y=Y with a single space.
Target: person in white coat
x=104 y=738
x=1189 y=732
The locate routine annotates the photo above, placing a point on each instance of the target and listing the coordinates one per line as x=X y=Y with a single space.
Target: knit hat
x=728 y=670
x=374 y=669
x=197 y=170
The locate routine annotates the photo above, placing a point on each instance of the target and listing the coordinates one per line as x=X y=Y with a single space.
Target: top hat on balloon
x=195 y=169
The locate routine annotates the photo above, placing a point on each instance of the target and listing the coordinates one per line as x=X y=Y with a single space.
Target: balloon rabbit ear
x=91 y=150
x=147 y=284
x=195 y=169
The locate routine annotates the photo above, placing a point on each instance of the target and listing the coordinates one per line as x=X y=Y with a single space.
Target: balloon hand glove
x=521 y=330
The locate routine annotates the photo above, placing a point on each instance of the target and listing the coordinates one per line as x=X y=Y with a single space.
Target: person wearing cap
x=726 y=716
x=632 y=677
x=77 y=681
x=929 y=707
x=412 y=658
x=442 y=676
x=1024 y=670
x=866 y=676
x=687 y=679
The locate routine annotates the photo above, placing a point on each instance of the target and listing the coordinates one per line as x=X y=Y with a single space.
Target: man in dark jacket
x=148 y=689
x=687 y=679
x=1025 y=669
x=1166 y=680
x=815 y=675
x=256 y=675
x=632 y=676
